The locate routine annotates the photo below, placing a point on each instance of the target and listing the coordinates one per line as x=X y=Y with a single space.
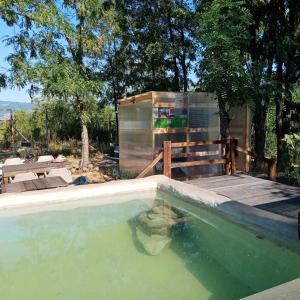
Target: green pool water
x=91 y=253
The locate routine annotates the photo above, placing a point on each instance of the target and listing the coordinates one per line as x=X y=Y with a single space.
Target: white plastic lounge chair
x=13 y=161
x=24 y=176
x=45 y=158
x=62 y=172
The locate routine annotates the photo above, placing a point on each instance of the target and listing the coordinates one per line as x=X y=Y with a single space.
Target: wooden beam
x=151 y=165
x=135 y=99
x=198 y=163
x=38 y=167
x=270 y=161
x=252 y=154
x=169 y=105
x=195 y=154
x=167 y=158
x=199 y=143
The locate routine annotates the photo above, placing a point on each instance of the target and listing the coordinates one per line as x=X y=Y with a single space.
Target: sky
x=16 y=95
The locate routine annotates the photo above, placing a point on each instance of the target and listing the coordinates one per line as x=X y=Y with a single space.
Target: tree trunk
x=260 y=116
x=176 y=87
x=85 y=144
x=281 y=150
x=183 y=62
x=116 y=110
x=224 y=118
x=280 y=126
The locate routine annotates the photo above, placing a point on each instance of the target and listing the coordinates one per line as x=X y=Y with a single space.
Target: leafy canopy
x=57 y=47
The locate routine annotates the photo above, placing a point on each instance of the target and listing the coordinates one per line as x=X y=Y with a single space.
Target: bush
x=293 y=145
x=116 y=173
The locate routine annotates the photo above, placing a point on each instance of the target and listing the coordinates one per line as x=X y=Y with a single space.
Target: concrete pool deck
x=280 y=229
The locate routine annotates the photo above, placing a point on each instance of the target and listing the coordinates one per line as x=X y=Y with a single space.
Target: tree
x=284 y=22
x=151 y=46
x=2 y=81
x=58 y=48
x=223 y=33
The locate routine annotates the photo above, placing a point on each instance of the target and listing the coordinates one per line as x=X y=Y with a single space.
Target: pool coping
x=280 y=229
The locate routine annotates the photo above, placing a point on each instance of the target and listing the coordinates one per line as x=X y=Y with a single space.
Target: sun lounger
x=24 y=177
x=62 y=172
x=44 y=158
x=13 y=161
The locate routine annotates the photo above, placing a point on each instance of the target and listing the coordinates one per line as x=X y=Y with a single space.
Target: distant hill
x=15 y=106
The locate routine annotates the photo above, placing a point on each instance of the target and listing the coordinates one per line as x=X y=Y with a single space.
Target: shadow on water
x=132 y=224
x=210 y=273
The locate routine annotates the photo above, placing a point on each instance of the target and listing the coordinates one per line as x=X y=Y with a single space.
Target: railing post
x=167 y=158
x=272 y=169
x=232 y=156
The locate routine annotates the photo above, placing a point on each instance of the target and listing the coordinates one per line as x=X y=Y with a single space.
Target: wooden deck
x=35 y=184
x=264 y=194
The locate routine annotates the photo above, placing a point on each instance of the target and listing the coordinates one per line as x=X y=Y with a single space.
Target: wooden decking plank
x=225 y=178
x=238 y=195
x=17 y=187
x=35 y=184
x=40 y=184
x=228 y=183
x=52 y=182
x=264 y=194
x=29 y=185
x=211 y=179
x=256 y=190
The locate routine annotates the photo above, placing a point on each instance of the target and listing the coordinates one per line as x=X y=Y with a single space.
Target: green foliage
x=57 y=54
x=57 y=50
x=223 y=31
x=117 y=174
x=64 y=147
x=59 y=120
x=271 y=140
x=150 y=46
x=2 y=81
x=293 y=145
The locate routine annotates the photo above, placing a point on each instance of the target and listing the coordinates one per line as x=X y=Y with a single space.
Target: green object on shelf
x=174 y=122
x=161 y=123
x=178 y=122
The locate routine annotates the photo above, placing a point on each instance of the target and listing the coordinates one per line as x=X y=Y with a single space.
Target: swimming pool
x=95 y=251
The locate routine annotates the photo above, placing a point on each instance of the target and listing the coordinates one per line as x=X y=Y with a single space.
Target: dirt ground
x=96 y=169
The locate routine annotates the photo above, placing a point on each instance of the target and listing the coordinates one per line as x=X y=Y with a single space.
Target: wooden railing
x=169 y=165
x=229 y=160
x=270 y=161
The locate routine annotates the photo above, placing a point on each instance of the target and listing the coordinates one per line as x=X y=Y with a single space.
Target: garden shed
x=149 y=119
x=146 y=120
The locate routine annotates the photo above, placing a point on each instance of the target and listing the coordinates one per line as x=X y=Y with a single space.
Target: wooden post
x=232 y=157
x=4 y=184
x=167 y=158
x=272 y=170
